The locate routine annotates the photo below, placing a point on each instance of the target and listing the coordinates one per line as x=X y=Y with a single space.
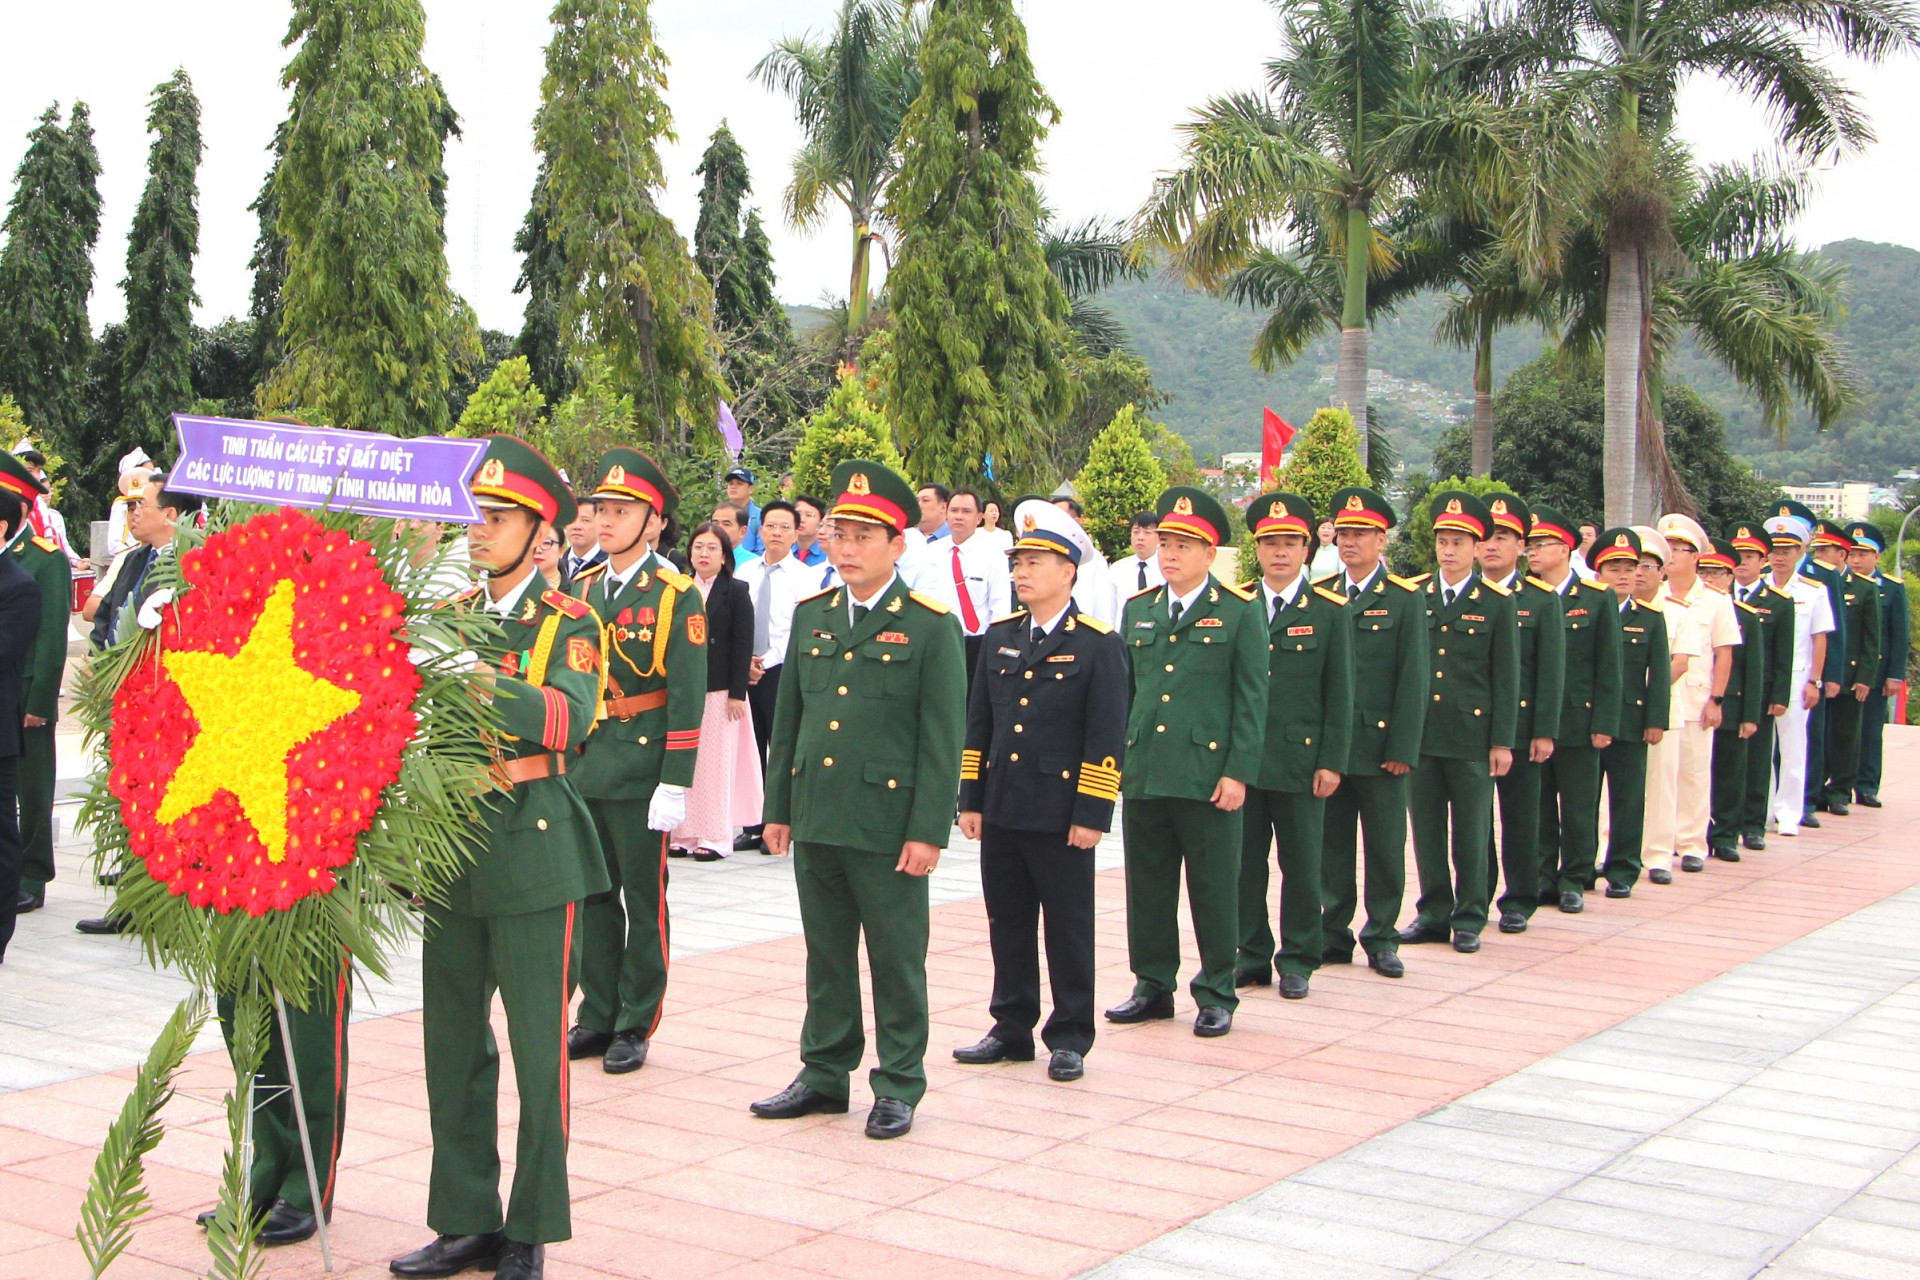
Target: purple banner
x=280 y=464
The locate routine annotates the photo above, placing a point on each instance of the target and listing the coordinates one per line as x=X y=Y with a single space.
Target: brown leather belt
x=510 y=773
x=628 y=708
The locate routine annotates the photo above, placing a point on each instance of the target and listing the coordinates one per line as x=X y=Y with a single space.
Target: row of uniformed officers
x=1307 y=718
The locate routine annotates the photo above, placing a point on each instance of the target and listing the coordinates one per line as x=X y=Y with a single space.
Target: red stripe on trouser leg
x=666 y=958
x=566 y=999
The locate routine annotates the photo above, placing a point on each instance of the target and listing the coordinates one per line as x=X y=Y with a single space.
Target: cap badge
x=616 y=474
x=1453 y=507
x=495 y=472
x=1029 y=522
x=1534 y=522
x=1621 y=541
x=1786 y=511
x=1278 y=510
x=1183 y=506
x=858 y=486
x=1500 y=506
x=1354 y=503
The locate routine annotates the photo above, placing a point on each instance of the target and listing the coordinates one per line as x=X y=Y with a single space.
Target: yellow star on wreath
x=239 y=749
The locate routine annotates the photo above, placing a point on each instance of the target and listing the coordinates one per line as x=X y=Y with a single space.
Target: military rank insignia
x=892 y=637
x=696 y=628
x=581 y=655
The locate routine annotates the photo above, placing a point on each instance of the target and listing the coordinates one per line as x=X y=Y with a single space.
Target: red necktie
x=967 y=613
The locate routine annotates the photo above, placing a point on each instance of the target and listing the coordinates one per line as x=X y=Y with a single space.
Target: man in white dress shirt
x=776 y=581
x=969 y=573
x=1092 y=591
x=1131 y=574
x=1813 y=628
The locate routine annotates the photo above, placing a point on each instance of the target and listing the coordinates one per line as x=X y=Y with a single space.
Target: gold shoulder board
x=1334 y=596
x=1497 y=588
x=1414 y=583
x=928 y=603
x=1092 y=623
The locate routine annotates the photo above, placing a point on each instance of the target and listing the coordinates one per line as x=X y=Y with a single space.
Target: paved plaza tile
x=1710 y=1079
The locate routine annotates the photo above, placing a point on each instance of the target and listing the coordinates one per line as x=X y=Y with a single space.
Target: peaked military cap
x=1506 y=511
x=1274 y=513
x=1616 y=544
x=1544 y=521
x=513 y=474
x=1865 y=533
x=1041 y=526
x=1358 y=507
x=1194 y=512
x=631 y=474
x=1830 y=533
x=17 y=480
x=1747 y=536
x=1798 y=510
x=1457 y=511
x=873 y=494
x=1719 y=555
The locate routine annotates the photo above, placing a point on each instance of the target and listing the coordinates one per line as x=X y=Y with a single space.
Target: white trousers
x=1694 y=801
x=1663 y=803
x=1790 y=781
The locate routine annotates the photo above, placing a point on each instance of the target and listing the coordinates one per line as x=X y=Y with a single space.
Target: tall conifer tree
x=543 y=278
x=724 y=185
x=631 y=289
x=979 y=350
x=371 y=325
x=157 y=378
x=46 y=273
x=269 y=267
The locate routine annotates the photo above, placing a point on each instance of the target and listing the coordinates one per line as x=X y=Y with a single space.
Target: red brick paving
x=1005 y=1173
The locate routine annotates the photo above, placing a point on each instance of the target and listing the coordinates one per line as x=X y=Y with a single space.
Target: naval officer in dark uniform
x=1046 y=731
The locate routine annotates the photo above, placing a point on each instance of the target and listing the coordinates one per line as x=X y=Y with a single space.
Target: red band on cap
x=522 y=492
x=870 y=507
x=1191 y=525
x=1542 y=528
x=1281 y=524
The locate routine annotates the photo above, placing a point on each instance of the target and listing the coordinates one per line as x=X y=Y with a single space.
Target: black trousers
x=1816 y=784
x=973 y=657
x=760 y=700
x=12 y=857
x=1023 y=873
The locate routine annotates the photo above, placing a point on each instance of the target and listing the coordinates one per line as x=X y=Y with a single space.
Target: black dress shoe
x=1808 y=820
x=1512 y=922
x=1212 y=1021
x=1660 y=875
x=1417 y=933
x=102 y=926
x=1293 y=986
x=1728 y=854
x=1692 y=862
x=1838 y=808
x=890 y=1118
x=29 y=902
x=798 y=1100
x=1252 y=978
x=1337 y=957
x=1755 y=843
x=747 y=841
x=1619 y=891
x=675 y=851
x=1870 y=802
x=521 y=1261
x=1066 y=1065
x=1143 y=1008
x=1387 y=964
x=707 y=855
x=991 y=1049
x=1466 y=943
x=205 y=1217
x=628 y=1052
x=450 y=1255
x=583 y=1042
x=287 y=1225
x=1572 y=903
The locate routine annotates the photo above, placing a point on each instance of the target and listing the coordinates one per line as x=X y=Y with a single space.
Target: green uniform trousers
x=1843 y=748
x=1625 y=765
x=1569 y=821
x=1729 y=791
x=1517 y=850
x=530 y=960
x=1873 y=732
x=1378 y=806
x=1292 y=821
x=1752 y=813
x=320 y=1056
x=1161 y=835
x=842 y=891
x=35 y=789
x=1451 y=802
x=624 y=932
x=1816 y=781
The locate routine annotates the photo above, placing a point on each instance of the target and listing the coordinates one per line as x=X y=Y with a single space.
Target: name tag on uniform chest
x=1299 y=631
x=1472 y=617
x=1211 y=622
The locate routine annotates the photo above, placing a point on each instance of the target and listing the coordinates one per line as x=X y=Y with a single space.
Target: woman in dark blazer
x=726 y=778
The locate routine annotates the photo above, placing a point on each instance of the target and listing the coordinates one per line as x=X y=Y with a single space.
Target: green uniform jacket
x=869 y=723
x=1896 y=633
x=1389 y=622
x=1862 y=599
x=540 y=850
x=50 y=570
x=1543 y=660
x=1199 y=694
x=1309 y=689
x=1646 y=671
x=654 y=633
x=1590 y=704
x=1839 y=640
x=1475 y=654
x=1776 y=628
x=1745 y=701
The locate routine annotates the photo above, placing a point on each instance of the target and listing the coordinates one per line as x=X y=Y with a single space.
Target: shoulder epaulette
x=1323 y=579
x=816 y=595
x=674 y=578
x=597 y=566
x=1749 y=608
x=1812 y=581
x=1497 y=588
x=1249 y=586
x=1242 y=592
x=1094 y=624
x=1414 y=583
x=572 y=606
x=468 y=594
x=1144 y=590
x=1895 y=578
x=1541 y=583
x=1334 y=596
x=45 y=544
x=1652 y=606
x=1594 y=584
x=1777 y=591
x=928 y=603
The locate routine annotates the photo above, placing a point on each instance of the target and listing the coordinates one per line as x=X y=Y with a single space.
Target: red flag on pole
x=1274 y=437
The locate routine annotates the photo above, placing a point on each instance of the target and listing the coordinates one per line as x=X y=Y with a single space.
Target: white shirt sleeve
x=1725 y=622
x=999 y=584
x=1822 y=612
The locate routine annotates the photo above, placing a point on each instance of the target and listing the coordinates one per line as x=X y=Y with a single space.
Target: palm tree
x=1282 y=198
x=850 y=91
x=1086 y=258
x=1621 y=63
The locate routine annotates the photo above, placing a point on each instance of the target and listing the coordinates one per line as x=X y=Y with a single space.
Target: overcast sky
x=1124 y=73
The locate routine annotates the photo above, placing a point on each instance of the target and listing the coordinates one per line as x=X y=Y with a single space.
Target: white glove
x=149 y=615
x=669 y=808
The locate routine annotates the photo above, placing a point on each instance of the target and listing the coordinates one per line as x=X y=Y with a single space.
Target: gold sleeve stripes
x=969 y=766
x=1101 y=781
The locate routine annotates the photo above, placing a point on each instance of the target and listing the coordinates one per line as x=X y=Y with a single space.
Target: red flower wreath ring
x=251 y=752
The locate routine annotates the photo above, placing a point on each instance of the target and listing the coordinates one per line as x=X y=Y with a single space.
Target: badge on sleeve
x=581 y=655
x=696 y=628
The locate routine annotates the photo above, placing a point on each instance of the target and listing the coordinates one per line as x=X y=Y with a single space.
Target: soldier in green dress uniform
x=1543 y=678
x=863 y=769
x=509 y=923
x=1646 y=682
x=638 y=762
x=1895 y=640
x=40 y=555
x=1743 y=706
x=1589 y=717
x=1859 y=672
x=1309 y=724
x=1389 y=622
x=1753 y=588
x=1473 y=643
x=1198 y=650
